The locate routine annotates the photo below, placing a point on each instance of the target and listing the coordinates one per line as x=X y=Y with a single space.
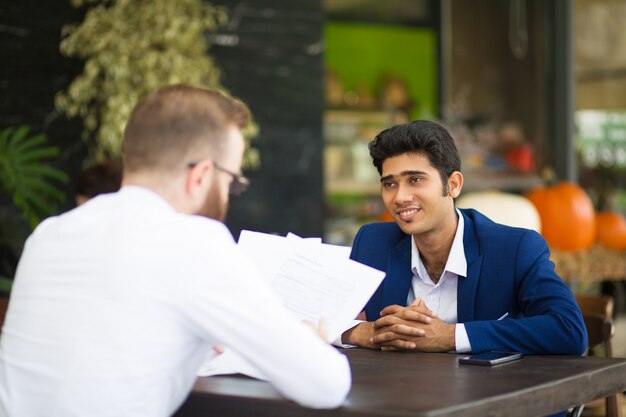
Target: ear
x=455 y=184
x=199 y=177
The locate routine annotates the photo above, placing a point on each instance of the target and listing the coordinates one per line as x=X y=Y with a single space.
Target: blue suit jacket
x=508 y=271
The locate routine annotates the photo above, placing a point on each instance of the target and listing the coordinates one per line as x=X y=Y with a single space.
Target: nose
x=403 y=195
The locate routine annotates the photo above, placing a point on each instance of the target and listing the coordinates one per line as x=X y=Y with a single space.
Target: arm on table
x=551 y=321
x=231 y=306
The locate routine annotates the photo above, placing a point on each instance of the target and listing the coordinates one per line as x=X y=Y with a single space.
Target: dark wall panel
x=271 y=56
x=32 y=71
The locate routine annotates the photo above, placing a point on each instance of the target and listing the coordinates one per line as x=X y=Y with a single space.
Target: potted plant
x=131 y=48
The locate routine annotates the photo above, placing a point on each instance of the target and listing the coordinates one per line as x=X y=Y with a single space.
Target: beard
x=215 y=205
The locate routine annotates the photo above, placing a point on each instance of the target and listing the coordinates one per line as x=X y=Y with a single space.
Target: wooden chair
x=597 y=312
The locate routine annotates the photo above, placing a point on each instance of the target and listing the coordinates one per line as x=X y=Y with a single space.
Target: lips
x=407 y=213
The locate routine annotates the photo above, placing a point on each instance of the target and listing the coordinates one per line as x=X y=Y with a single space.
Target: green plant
x=5 y=285
x=25 y=177
x=131 y=48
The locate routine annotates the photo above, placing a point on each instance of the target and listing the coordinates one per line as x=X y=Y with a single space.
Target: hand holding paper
x=313 y=280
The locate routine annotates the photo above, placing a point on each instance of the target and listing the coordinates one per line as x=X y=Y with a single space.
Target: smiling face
x=413 y=192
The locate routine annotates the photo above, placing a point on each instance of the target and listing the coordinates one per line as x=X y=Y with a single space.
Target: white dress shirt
x=441 y=298
x=116 y=304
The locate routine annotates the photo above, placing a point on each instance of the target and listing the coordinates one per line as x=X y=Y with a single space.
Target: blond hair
x=176 y=123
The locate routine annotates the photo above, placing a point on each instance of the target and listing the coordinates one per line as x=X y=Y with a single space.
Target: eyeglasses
x=238 y=184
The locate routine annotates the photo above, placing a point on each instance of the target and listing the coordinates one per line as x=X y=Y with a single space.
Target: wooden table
x=427 y=384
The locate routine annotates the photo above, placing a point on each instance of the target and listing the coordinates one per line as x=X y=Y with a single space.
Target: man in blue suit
x=456 y=281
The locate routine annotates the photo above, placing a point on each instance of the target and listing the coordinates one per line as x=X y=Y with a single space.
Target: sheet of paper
x=313 y=280
x=267 y=252
x=317 y=283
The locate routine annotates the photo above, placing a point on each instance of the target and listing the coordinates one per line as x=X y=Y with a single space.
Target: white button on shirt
x=441 y=298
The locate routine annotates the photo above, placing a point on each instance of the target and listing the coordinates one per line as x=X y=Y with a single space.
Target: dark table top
x=427 y=384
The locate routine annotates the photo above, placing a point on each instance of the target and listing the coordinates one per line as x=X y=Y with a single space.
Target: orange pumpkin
x=385 y=216
x=611 y=230
x=567 y=216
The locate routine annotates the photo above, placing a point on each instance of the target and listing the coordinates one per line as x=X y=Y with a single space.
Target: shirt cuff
x=337 y=342
x=461 y=340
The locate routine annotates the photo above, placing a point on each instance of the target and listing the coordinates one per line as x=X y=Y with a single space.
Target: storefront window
x=600 y=99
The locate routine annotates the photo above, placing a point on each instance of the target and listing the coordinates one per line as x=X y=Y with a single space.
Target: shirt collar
x=139 y=195
x=456 y=264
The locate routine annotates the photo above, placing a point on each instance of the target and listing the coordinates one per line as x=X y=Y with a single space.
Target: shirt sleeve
x=461 y=340
x=549 y=321
x=337 y=342
x=231 y=303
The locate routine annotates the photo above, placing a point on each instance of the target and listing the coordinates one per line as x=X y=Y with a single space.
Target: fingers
x=218 y=349
x=389 y=348
x=421 y=309
x=413 y=315
x=417 y=302
x=322 y=329
x=395 y=331
x=319 y=328
x=390 y=341
x=406 y=316
x=418 y=306
x=393 y=309
x=399 y=347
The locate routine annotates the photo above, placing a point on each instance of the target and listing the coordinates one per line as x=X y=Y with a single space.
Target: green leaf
x=44 y=171
x=35 y=203
x=37 y=184
x=5 y=284
x=32 y=142
x=131 y=48
x=36 y=154
x=18 y=135
x=33 y=186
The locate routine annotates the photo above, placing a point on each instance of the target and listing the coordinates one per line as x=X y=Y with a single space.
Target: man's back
x=116 y=305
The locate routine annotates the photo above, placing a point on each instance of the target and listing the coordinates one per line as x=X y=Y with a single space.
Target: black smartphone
x=490 y=358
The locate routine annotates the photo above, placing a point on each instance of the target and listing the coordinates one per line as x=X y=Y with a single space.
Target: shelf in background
x=479 y=181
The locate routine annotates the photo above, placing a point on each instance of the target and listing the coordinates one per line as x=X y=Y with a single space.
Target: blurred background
x=533 y=91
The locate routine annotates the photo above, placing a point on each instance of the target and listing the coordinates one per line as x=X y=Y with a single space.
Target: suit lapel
x=466 y=289
x=398 y=280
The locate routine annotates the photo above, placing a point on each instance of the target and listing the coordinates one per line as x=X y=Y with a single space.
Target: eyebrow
x=403 y=174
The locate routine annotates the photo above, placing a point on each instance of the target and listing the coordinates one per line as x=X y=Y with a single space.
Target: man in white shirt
x=117 y=302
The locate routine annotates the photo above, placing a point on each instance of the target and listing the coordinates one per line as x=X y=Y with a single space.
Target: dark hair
x=174 y=122
x=99 y=178
x=421 y=137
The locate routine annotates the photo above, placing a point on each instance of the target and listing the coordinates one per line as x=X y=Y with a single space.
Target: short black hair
x=420 y=137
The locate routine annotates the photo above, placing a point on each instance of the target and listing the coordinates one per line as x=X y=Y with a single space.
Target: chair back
x=597 y=311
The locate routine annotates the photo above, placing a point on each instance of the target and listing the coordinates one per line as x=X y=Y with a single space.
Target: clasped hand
x=414 y=327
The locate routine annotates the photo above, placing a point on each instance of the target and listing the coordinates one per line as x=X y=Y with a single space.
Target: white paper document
x=312 y=279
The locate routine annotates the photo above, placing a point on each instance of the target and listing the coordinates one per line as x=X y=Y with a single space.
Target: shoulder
x=202 y=229
x=373 y=240
x=379 y=232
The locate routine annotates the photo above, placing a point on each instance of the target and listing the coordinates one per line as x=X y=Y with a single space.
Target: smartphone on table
x=490 y=358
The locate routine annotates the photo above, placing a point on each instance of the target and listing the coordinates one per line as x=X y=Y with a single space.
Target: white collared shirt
x=117 y=303
x=441 y=298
